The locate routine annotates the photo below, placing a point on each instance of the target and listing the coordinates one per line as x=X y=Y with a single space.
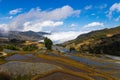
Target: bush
x=72 y=49
x=16 y=41
x=48 y=43
x=1 y=48
x=30 y=48
x=11 y=47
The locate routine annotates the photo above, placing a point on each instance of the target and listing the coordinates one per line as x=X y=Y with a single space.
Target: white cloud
x=88 y=7
x=114 y=7
x=50 y=18
x=59 y=38
x=51 y=24
x=117 y=19
x=38 y=26
x=3 y=28
x=73 y=25
x=9 y=17
x=37 y=20
x=15 y=11
x=94 y=24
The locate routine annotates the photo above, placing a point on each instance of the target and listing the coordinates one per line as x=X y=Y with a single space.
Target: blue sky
x=68 y=17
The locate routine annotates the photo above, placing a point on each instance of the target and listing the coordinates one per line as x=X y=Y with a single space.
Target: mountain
x=109 y=45
x=27 y=35
x=105 y=41
x=1 y=35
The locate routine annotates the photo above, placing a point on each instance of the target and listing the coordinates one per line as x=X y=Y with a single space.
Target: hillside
x=104 y=41
x=27 y=35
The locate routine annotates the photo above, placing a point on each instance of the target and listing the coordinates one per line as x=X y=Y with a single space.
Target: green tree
x=48 y=43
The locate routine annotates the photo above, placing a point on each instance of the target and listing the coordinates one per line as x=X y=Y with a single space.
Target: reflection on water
x=87 y=61
x=21 y=57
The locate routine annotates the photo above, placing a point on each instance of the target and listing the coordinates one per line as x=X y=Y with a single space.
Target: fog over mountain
x=66 y=19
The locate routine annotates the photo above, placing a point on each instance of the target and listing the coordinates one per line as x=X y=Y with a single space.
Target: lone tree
x=48 y=43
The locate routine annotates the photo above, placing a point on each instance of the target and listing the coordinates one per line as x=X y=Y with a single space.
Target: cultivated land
x=88 y=57
x=55 y=66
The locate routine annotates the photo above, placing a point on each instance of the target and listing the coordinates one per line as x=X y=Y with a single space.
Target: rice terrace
x=60 y=40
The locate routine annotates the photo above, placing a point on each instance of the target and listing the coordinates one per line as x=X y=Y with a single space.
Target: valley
x=33 y=60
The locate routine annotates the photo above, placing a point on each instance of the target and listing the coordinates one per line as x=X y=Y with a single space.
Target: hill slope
x=27 y=35
x=106 y=41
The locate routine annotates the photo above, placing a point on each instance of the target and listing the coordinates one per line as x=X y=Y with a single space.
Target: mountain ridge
x=26 y=35
x=99 y=41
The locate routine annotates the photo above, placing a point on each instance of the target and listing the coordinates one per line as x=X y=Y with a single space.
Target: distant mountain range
x=27 y=35
x=105 y=41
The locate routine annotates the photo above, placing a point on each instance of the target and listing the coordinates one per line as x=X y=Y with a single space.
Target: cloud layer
x=36 y=19
x=114 y=7
x=38 y=26
x=94 y=24
x=15 y=11
x=60 y=37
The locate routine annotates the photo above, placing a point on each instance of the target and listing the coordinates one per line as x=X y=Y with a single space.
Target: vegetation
x=106 y=41
x=16 y=41
x=1 y=48
x=109 y=45
x=72 y=49
x=48 y=43
x=11 y=47
x=31 y=47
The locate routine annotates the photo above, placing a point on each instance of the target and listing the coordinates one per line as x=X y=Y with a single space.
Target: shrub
x=11 y=47
x=1 y=48
x=48 y=43
x=72 y=49
x=30 y=47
